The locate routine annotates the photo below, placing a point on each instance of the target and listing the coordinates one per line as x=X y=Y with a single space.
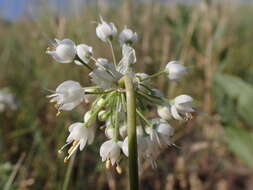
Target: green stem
x=68 y=173
x=143 y=118
x=84 y=64
x=132 y=140
x=113 y=55
x=154 y=75
x=116 y=119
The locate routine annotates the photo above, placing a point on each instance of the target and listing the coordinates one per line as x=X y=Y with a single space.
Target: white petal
x=175 y=113
x=105 y=149
x=83 y=142
x=183 y=99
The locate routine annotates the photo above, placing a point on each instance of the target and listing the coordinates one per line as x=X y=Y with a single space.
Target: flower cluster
x=107 y=99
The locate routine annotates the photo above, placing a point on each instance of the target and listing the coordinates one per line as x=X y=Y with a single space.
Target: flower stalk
x=132 y=140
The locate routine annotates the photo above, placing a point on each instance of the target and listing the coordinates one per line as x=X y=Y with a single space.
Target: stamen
x=73 y=146
x=61 y=149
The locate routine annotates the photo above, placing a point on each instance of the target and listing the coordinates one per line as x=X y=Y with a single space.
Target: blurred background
x=214 y=38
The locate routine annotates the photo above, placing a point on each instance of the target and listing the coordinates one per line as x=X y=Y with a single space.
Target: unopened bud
x=103 y=115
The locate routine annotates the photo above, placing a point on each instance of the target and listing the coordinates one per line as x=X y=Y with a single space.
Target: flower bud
x=106 y=31
x=175 y=70
x=109 y=132
x=64 y=51
x=100 y=101
x=84 y=52
x=103 y=115
x=127 y=36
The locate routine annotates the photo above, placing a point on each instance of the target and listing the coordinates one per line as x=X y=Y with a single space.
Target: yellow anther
x=75 y=143
x=119 y=170
x=108 y=164
x=66 y=159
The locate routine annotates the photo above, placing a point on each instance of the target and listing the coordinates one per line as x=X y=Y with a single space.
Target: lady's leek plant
x=120 y=98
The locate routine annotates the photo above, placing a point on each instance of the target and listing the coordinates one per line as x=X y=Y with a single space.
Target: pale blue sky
x=13 y=9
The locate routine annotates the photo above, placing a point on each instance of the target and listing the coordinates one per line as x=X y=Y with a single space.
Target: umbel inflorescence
x=107 y=99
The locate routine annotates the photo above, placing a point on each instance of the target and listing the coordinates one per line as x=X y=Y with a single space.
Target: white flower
x=64 y=51
x=175 y=70
x=79 y=136
x=161 y=132
x=80 y=133
x=164 y=112
x=68 y=95
x=182 y=107
x=106 y=31
x=127 y=36
x=84 y=52
x=141 y=143
x=128 y=59
x=105 y=75
x=147 y=149
x=110 y=151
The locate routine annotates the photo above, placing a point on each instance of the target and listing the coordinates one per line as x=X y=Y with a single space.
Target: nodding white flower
x=64 y=51
x=164 y=112
x=146 y=149
x=182 y=107
x=84 y=52
x=105 y=75
x=68 y=95
x=79 y=136
x=161 y=132
x=127 y=36
x=175 y=70
x=106 y=31
x=142 y=143
x=110 y=151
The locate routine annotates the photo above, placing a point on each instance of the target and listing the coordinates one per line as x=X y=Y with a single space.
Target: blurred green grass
x=214 y=39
